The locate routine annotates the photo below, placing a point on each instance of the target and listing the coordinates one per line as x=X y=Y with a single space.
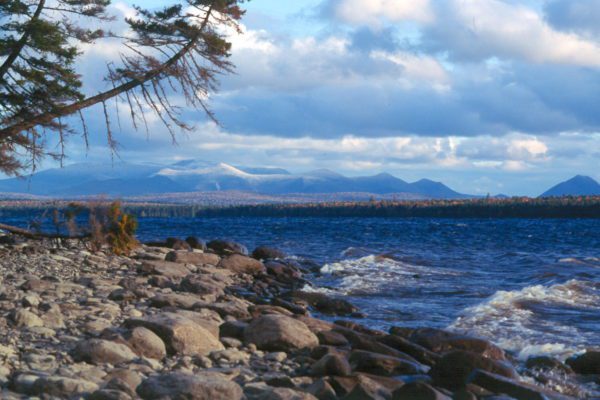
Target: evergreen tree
x=180 y=48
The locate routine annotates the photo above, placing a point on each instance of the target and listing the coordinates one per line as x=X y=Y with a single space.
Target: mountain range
x=193 y=176
x=127 y=180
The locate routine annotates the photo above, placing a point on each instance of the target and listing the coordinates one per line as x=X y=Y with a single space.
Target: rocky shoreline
x=186 y=320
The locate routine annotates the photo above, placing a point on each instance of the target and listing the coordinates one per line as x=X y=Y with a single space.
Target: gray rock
x=63 y=387
x=181 y=335
x=99 y=351
x=242 y=264
x=146 y=343
x=380 y=364
x=26 y=319
x=189 y=387
x=196 y=258
x=279 y=333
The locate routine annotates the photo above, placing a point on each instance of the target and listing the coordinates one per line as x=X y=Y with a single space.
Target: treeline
x=516 y=207
x=522 y=207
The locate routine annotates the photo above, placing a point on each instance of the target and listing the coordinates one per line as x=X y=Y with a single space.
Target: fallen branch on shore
x=39 y=235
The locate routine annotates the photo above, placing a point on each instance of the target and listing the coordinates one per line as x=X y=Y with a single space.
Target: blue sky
x=497 y=96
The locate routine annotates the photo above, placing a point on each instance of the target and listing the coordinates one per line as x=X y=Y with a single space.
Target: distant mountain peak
x=192 y=175
x=579 y=185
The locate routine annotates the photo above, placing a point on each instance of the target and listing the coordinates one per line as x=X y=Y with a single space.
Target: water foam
x=372 y=274
x=513 y=319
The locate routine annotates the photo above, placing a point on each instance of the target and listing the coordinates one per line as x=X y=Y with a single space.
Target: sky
x=488 y=96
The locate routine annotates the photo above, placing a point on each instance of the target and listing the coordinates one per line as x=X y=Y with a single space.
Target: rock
x=180 y=335
x=440 y=341
x=224 y=247
x=146 y=343
x=195 y=243
x=178 y=300
x=331 y=364
x=285 y=394
x=164 y=268
x=332 y=338
x=279 y=333
x=188 y=257
x=201 y=285
x=420 y=353
x=108 y=394
x=418 y=391
x=26 y=319
x=124 y=380
x=178 y=386
x=267 y=253
x=177 y=244
x=367 y=389
x=323 y=303
x=59 y=386
x=233 y=329
x=322 y=390
x=361 y=341
x=500 y=384
x=380 y=364
x=586 y=363
x=99 y=351
x=242 y=264
x=453 y=369
x=30 y=300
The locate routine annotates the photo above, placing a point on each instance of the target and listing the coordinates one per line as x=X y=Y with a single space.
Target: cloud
x=577 y=16
x=373 y=12
x=476 y=30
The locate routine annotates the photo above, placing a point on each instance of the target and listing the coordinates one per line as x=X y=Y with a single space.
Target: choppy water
x=532 y=286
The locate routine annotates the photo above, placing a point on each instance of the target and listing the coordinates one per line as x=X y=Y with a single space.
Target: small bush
x=111 y=227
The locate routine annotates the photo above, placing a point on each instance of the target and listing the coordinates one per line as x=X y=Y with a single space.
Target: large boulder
x=242 y=264
x=179 y=386
x=201 y=284
x=323 y=303
x=226 y=247
x=331 y=364
x=414 y=350
x=146 y=343
x=62 y=387
x=188 y=257
x=180 y=334
x=586 y=363
x=518 y=390
x=454 y=368
x=99 y=351
x=164 y=268
x=440 y=341
x=267 y=253
x=379 y=364
x=279 y=333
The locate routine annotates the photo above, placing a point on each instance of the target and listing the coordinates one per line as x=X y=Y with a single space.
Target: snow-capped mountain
x=124 y=179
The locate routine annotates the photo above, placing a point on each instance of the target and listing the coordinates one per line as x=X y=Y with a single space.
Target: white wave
x=507 y=319
x=372 y=273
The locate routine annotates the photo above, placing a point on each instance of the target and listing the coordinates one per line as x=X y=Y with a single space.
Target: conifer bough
x=178 y=50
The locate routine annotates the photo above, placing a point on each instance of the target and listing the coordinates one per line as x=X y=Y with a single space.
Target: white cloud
x=516 y=31
x=371 y=12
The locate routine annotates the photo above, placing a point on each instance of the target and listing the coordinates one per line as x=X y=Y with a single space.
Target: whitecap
x=510 y=319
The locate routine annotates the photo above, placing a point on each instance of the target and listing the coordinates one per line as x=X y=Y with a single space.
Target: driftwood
x=38 y=235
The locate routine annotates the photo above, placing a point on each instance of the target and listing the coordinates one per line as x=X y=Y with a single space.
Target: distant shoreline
x=517 y=207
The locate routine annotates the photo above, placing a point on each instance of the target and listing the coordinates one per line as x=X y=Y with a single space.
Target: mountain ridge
x=127 y=179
